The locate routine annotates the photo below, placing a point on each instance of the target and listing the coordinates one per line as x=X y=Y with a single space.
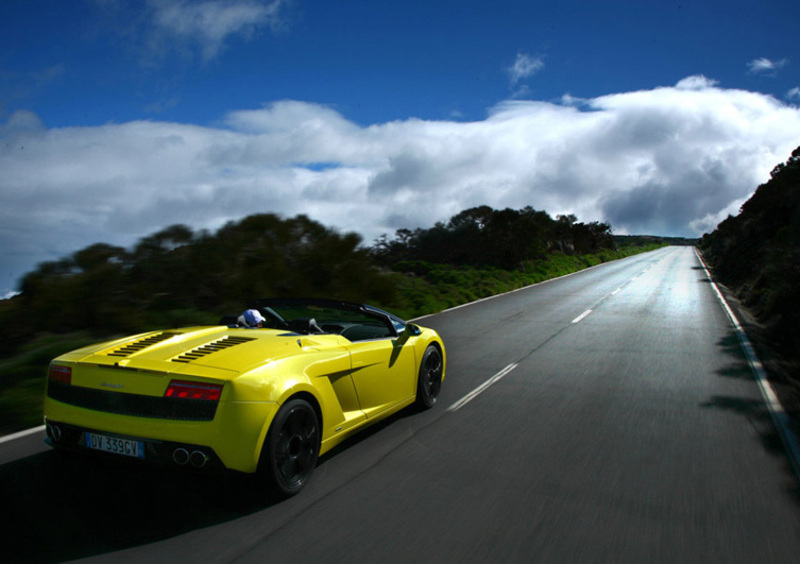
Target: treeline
x=180 y=277
x=484 y=237
x=642 y=240
x=757 y=254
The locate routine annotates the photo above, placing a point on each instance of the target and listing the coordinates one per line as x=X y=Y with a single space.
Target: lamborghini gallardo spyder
x=266 y=393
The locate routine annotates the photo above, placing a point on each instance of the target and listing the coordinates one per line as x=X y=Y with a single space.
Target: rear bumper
x=73 y=438
x=231 y=440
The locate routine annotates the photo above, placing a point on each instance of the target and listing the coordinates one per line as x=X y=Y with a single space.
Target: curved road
x=605 y=416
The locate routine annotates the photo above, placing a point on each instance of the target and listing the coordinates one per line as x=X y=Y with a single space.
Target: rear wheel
x=430 y=378
x=291 y=447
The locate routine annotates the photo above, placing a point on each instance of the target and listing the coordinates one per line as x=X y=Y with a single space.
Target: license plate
x=125 y=447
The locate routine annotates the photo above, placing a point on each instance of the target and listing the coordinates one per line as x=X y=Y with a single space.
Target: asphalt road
x=608 y=416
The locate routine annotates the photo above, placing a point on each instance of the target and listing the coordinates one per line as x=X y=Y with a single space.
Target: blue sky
x=90 y=63
x=118 y=118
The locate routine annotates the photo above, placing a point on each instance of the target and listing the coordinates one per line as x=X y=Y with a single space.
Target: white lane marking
x=480 y=389
x=21 y=434
x=777 y=413
x=582 y=316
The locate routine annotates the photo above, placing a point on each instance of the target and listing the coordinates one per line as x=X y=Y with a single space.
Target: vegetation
x=177 y=277
x=642 y=240
x=757 y=254
x=483 y=237
x=22 y=378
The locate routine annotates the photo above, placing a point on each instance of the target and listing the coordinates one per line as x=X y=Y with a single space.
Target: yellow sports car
x=267 y=392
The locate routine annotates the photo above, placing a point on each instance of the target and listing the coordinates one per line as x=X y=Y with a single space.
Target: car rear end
x=148 y=405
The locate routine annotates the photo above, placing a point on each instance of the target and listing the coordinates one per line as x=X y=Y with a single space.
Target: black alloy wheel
x=292 y=447
x=430 y=378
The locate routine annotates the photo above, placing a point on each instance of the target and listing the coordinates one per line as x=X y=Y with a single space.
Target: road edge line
x=25 y=433
x=780 y=418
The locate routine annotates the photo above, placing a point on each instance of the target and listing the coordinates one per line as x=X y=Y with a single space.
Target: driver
x=251 y=318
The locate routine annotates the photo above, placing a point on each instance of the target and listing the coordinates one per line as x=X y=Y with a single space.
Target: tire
x=291 y=448
x=429 y=382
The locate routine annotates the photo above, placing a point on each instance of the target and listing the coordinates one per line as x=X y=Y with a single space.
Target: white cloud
x=764 y=65
x=570 y=100
x=708 y=223
x=524 y=67
x=696 y=82
x=671 y=161
x=209 y=23
x=19 y=123
x=794 y=93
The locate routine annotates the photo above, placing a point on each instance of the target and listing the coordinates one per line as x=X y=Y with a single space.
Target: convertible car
x=267 y=394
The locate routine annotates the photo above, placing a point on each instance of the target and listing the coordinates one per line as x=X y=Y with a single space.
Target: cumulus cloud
x=20 y=123
x=794 y=93
x=764 y=65
x=671 y=161
x=696 y=82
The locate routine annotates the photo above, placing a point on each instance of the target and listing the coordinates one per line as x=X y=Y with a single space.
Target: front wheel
x=291 y=448
x=430 y=378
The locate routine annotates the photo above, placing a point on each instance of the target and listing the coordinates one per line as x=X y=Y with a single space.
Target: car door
x=384 y=372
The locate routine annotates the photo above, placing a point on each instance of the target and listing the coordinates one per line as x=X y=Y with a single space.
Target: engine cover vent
x=211 y=348
x=138 y=346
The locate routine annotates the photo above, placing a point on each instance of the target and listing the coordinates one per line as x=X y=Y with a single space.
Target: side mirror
x=413 y=330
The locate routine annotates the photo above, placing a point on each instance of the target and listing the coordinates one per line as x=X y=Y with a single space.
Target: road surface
x=607 y=416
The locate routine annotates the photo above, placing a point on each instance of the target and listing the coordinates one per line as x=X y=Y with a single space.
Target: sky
x=121 y=117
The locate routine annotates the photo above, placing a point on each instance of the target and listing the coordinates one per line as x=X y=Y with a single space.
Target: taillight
x=62 y=374
x=193 y=390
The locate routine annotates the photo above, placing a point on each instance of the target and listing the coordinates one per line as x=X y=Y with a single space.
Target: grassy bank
x=22 y=378
x=426 y=288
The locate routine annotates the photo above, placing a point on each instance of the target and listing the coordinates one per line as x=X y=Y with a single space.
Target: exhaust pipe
x=180 y=456
x=54 y=432
x=198 y=459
